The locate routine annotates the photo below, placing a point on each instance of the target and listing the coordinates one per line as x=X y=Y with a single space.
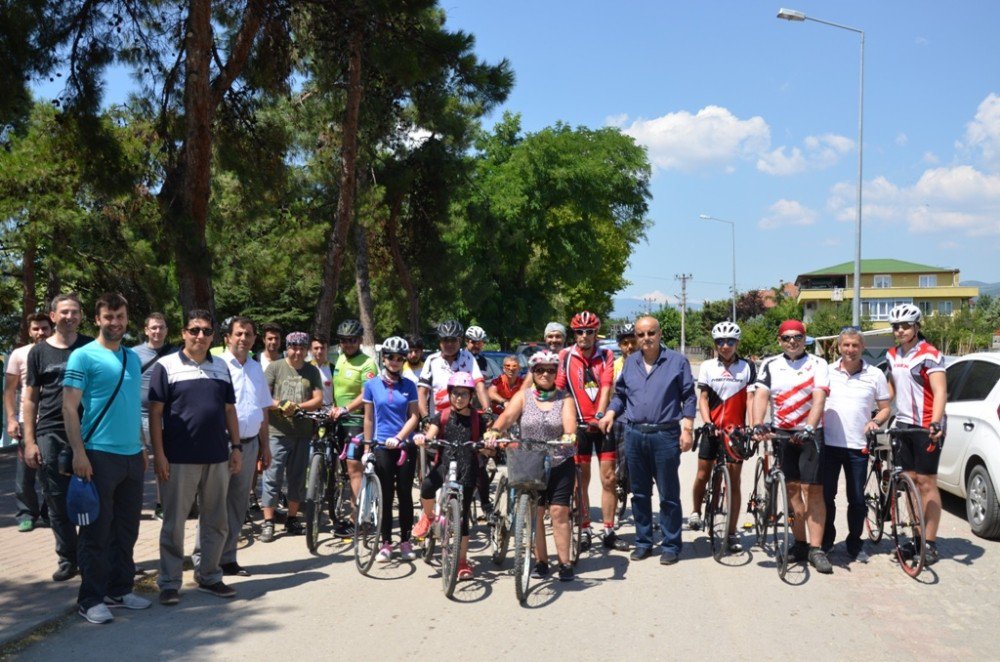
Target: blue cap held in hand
x=83 y=504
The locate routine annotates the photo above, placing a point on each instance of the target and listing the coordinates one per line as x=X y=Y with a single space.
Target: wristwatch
x=808 y=428
x=236 y=447
x=599 y=415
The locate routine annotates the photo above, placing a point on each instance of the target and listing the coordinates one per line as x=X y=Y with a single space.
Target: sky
x=754 y=120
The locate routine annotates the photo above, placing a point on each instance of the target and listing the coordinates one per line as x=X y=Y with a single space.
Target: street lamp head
x=705 y=217
x=791 y=15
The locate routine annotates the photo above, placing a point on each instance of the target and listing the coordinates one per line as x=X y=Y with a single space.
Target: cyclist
x=457 y=422
x=546 y=413
x=587 y=373
x=440 y=366
x=723 y=387
x=504 y=386
x=475 y=339
x=626 y=343
x=920 y=388
x=391 y=416
x=352 y=369
x=414 y=358
x=555 y=337
x=796 y=384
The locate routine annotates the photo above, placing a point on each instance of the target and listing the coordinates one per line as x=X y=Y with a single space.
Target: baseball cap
x=83 y=505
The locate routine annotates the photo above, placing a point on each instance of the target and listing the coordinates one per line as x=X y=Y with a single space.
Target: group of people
x=212 y=418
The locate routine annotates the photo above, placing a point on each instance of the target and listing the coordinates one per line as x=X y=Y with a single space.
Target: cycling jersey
x=727 y=388
x=910 y=377
x=619 y=364
x=437 y=371
x=349 y=377
x=791 y=383
x=585 y=378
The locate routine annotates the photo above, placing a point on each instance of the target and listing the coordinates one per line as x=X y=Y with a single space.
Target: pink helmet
x=462 y=379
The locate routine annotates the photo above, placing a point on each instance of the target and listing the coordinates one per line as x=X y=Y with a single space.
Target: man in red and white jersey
x=796 y=384
x=588 y=374
x=920 y=386
x=724 y=384
x=440 y=366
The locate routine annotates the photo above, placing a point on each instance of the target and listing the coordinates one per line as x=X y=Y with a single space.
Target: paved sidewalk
x=28 y=596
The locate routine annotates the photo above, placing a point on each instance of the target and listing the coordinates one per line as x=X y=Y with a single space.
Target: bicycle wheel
x=366 y=537
x=498 y=523
x=719 y=514
x=621 y=489
x=451 y=544
x=575 y=522
x=758 y=503
x=524 y=518
x=907 y=510
x=779 y=521
x=339 y=494
x=874 y=500
x=313 y=507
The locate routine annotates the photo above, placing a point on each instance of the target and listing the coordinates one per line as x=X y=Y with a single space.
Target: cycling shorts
x=913 y=451
x=347 y=431
x=559 y=491
x=589 y=442
x=708 y=448
x=800 y=462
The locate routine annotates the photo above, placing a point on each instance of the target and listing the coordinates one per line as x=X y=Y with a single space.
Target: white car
x=970 y=459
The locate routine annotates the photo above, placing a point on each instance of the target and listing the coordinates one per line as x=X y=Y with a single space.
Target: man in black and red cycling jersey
x=587 y=373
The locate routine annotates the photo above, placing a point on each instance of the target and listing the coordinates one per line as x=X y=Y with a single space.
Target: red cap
x=791 y=325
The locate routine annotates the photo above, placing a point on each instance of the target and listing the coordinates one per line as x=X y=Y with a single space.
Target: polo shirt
x=849 y=406
x=194 y=397
x=390 y=404
x=253 y=398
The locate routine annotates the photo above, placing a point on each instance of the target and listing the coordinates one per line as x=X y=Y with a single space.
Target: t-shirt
x=294 y=385
x=390 y=402
x=504 y=390
x=911 y=378
x=194 y=397
x=95 y=370
x=791 y=384
x=437 y=371
x=17 y=368
x=326 y=373
x=585 y=378
x=146 y=355
x=46 y=367
x=850 y=403
x=349 y=377
x=459 y=428
x=727 y=388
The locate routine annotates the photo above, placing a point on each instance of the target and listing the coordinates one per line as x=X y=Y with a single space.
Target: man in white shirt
x=856 y=390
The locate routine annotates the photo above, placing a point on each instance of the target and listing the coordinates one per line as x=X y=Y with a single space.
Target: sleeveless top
x=540 y=425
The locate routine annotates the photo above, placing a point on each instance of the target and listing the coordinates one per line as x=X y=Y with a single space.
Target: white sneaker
x=862 y=557
x=384 y=554
x=128 y=601
x=406 y=551
x=98 y=614
x=694 y=521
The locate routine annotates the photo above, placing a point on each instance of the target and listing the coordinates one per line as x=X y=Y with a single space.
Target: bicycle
x=622 y=485
x=500 y=521
x=891 y=494
x=718 y=491
x=326 y=479
x=768 y=503
x=368 y=527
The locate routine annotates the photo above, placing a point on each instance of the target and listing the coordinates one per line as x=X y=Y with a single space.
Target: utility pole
x=683 y=278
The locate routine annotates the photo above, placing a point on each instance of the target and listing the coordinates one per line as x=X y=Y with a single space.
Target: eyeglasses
x=584 y=332
x=647 y=334
x=463 y=393
x=449 y=340
x=902 y=326
x=728 y=342
x=202 y=330
x=350 y=341
x=544 y=371
x=791 y=338
x=395 y=357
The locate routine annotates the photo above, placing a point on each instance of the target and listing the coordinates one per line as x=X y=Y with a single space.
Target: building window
x=929 y=280
x=926 y=307
x=877 y=310
x=944 y=307
x=882 y=281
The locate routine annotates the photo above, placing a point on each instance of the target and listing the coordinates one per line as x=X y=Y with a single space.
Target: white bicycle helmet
x=726 y=329
x=905 y=312
x=475 y=333
x=543 y=357
x=394 y=345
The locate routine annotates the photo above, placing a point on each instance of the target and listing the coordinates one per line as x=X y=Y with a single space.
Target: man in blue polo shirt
x=655 y=395
x=104 y=377
x=196 y=446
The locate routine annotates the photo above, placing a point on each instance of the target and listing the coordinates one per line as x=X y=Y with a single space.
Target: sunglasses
x=449 y=340
x=647 y=334
x=791 y=338
x=350 y=341
x=395 y=357
x=544 y=371
x=199 y=330
x=904 y=326
x=728 y=342
x=584 y=332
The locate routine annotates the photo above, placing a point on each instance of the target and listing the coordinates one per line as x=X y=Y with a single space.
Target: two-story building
x=884 y=283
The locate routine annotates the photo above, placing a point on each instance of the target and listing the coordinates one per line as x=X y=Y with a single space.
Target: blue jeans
x=655 y=456
x=854 y=464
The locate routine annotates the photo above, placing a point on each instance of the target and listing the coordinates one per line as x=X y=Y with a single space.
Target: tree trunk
x=334 y=258
x=366 y=309
x=402 y=269
x=29 y=295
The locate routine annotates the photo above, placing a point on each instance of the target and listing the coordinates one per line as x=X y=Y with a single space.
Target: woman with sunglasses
x=920 y=389
x=391 y=416
x=546 y=413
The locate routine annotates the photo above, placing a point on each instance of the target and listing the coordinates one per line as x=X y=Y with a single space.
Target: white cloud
x=711 y=138
x=784 y=213
x=902 y=139
x=820 y=152
x=658 y=297
x=982 y=134
x=616 y=120
x=930 y=158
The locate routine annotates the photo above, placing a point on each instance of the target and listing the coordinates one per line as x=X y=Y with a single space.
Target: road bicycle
x=622 y=485
x=499 y=523
x=891 y=494
x=368 y=527
x=768 y=503
x=327 y=485
x=718 y=492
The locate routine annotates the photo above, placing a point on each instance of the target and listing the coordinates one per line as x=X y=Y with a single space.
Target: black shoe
x=487 y=507
x=640 y=553
x=344 y=530
x=218 y=589
x=818 y=560
x=158 y=511
x=566 y=573
x=234 y=569
x=800 y=551
x=668 y=558
x=909 y=549
x=612 y=541
x=169 y=596
x=585 y=540
x=43 y=523
x=282 y=500
x=541 y=570
x=931 y=555
x=267 y=531
x=66 y=571
x=293 y=527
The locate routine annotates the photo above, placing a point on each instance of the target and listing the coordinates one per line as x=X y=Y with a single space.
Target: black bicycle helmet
x=450 y=329
x=350 y=329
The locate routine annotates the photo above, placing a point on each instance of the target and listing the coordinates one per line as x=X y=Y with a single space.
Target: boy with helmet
x=920 y=387
x=441 y=365
x=626 y=343
x=723 y=387
x=475 y=339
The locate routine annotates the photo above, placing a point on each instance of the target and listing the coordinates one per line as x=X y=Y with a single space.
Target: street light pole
x=732 y=226
x=793 y=15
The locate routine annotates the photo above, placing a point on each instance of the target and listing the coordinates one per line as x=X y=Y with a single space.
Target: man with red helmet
x=587 y=373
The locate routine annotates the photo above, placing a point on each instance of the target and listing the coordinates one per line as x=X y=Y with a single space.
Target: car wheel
x=981 y=506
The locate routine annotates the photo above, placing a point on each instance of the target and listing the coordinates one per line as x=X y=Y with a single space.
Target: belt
x=650 y=427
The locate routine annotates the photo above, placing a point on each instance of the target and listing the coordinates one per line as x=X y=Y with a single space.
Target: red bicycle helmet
x=585 y=320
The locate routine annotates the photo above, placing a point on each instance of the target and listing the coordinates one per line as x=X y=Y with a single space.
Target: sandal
x=464 y=572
